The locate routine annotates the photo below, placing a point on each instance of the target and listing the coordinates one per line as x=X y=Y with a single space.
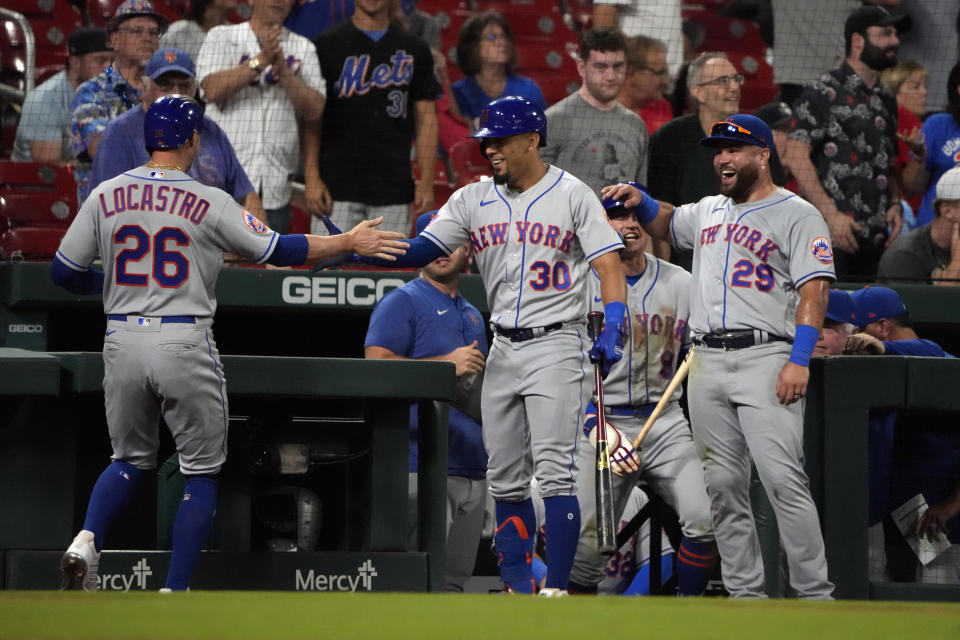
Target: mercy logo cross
x=141 y=570
x=367 y=573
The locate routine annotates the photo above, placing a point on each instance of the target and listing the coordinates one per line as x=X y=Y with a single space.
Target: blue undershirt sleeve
x=291 y=250
x=79 y=282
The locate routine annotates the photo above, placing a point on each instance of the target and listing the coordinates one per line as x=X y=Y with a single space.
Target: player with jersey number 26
x=762 y=266
x=536 y=231
x=161 y=236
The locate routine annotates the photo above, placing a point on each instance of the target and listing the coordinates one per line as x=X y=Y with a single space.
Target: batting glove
x=608 y=347
x=624 y=460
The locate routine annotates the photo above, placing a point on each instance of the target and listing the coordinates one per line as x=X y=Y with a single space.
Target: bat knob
x=594 y=323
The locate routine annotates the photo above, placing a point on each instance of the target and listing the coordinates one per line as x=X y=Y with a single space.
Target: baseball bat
x=664 y=399
x=606 y=532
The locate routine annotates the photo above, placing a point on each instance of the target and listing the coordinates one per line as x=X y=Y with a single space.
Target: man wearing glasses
x=762 y=269
x=134 y=33
x=171 y=71
x=680 y=169
x=647 y=79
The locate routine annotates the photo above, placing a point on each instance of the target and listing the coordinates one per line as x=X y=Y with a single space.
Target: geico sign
x=337 y=290
x=25 y=328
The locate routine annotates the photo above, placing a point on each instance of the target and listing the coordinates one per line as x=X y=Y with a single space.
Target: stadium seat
x=558 y=58
x=31 y=242
x=38 y=202
x=555 y=88
x=13 y=60
x=531 y=20
x=468 y=163
x=37 y=194
x=100 y=11
x=44 y=9
x=433 y=7
x=51 y=39
x=758 y=87
x=581 y=14
x=728 y=34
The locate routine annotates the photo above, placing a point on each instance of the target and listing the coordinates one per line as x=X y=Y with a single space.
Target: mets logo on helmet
x=255 y=225
x=821 y=250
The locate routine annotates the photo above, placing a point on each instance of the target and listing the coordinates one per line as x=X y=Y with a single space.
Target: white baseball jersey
x=260 y=119
x=532 y=248
x=161 y=236
x=658 y=304
x=751 y=259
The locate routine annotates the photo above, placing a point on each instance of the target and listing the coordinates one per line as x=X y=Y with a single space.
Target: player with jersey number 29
x=536 y=230
x=161 y=236
x=762 y=265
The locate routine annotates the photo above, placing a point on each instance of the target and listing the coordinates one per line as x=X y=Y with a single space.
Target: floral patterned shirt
x=96 y=102
x=852 y=133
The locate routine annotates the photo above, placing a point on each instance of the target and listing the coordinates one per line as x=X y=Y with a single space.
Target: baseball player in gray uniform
x=161 y=237
x=536 y=231
x=658 y=303
x=762 y=267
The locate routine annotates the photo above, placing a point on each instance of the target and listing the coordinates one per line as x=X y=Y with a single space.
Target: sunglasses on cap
x=734 y=130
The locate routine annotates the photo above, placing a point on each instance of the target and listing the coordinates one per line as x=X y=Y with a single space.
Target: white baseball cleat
x=80 y=564
x=553 y=593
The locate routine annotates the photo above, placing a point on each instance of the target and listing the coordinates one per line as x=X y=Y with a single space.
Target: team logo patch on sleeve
x=255 y=225
x=821 y=250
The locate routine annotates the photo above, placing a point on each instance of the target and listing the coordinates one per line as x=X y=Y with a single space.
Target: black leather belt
x=636 y=411
x=522 y=335
x=164 y=320
x=733 y=340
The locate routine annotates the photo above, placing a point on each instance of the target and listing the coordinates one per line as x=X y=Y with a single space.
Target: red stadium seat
x=44 y=9
x=558 y=58
x=758 y=87
x=581 y=13
x=13 y=57
x=727 y=34
x=38 y=202
x=31 y=242
x=468 y=163
x=100 y=11
x=37 y=194
x=51 y=39
x=555 y=88
x=532 y=20
x=433 y=7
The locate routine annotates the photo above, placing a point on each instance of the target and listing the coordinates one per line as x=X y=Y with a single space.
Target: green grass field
x=75 y=616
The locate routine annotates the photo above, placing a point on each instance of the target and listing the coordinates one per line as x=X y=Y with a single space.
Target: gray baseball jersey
x=532 y=248
x=161 y=236
x=751 y=259
x=658 y=305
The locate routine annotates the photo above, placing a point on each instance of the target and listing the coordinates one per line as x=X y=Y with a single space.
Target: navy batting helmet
x=170 y=122
x=509 y=116
x=610 y=205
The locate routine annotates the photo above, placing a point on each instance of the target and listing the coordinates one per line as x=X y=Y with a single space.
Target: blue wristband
x=614 y=312
x=647 y=210
x=804 y=341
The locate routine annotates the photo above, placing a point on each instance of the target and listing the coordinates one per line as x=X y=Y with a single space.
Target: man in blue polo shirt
x=167 y=72
x=428 y=319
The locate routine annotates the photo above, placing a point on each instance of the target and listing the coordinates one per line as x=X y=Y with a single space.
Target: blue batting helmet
x=610 y=204
x=509 y=116
x=170 y=122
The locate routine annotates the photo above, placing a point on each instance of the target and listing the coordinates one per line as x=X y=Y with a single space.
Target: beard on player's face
x=743 y=179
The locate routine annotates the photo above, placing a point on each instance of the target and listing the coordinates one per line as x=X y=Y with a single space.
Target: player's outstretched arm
x=793 y=378
x=364 y=240
x=653 y=215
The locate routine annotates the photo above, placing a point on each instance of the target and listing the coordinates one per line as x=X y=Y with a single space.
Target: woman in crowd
x=486 y=56
x=908 y=81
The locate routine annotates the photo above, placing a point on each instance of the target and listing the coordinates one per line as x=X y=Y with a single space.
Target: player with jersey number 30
x=536 y=230
x=762 y=265
x=161 y=236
